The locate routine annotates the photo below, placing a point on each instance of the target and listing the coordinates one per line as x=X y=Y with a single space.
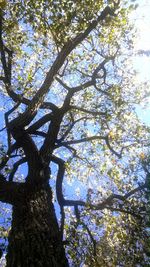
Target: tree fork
x=35 y=238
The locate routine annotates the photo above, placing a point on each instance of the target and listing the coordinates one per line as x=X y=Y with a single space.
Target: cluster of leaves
x=118 y=236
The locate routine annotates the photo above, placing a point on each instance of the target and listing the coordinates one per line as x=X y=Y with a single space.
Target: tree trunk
x=34 y=239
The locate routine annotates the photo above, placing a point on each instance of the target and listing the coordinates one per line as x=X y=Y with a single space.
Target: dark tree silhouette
x=94 y=96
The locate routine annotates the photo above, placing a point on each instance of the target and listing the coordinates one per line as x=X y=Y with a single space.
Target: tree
x=72 y=117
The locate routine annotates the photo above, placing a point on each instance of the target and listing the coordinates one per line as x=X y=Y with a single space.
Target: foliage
x=67 y=68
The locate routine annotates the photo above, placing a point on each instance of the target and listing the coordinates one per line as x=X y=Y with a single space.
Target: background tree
x=70 y=119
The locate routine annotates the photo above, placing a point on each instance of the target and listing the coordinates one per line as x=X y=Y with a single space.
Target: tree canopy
x=70 y=95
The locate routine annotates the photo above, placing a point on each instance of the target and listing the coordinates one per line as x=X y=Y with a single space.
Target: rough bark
x=34 y=239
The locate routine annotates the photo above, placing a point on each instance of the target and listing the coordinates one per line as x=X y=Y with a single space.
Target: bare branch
x=3 y=129
x=107 y=203
x=119 y=155
x=109 y=200
x=91 y=237
x=77 y=213
x=3 y=56
x=86 y=139
x=76 y=88
x=70 y=128
x=94 y=113
x=51 y=137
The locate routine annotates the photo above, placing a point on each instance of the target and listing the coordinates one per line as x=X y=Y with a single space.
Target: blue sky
x=141 y=19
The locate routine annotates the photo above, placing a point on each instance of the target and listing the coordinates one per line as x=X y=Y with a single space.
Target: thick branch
x=7 y=123
x=51 y=137
x=15 y=168
x=31 y=152
x=59 y=180
x=39 y=133
x=54 y=127
x=40 y=123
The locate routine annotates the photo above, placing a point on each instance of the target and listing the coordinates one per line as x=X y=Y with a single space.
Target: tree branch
x=107 y=203
x=94 y=113
x=77 y=213
x=8 y=154
x=59 y=179
x=15 y=168
x=40 y=123
x=39 y=133
x=51 y=137
x=119 y=155
x=70 y=128
x=86 y=139
x=35 y=164
x=123 y=198
x=76 y=88
x=7 y=123
x=26 y=117
x=91 y=237
x=6 y=67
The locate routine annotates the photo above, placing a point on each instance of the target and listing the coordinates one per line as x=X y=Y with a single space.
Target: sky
x=141 y=19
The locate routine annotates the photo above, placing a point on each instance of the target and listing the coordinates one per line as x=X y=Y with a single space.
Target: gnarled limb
x=35 y=164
